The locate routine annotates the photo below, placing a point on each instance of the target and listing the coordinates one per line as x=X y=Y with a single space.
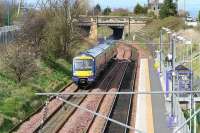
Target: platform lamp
x=191 y=95
x=161 y=49
x=173 y=43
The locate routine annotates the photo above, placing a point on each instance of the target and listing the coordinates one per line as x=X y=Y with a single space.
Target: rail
x=37 y=110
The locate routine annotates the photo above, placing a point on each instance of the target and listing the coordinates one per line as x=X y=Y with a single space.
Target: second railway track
x=61 y=117
x=122 y=104
x=67 y=118
x=81 y=120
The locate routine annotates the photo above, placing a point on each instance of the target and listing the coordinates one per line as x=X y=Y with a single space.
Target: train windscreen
x=81 y=65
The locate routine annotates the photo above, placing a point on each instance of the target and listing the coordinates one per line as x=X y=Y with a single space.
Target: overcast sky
x=193 y=6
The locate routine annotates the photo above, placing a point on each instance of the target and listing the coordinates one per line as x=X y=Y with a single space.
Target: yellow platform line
x=150 y=124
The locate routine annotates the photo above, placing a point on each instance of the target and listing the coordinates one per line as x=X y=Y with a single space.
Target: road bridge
x=121 y=25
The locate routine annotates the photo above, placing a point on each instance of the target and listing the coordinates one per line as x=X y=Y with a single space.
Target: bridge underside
x=118 y=31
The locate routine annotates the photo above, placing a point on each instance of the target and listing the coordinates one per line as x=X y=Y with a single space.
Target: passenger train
x=88 y=65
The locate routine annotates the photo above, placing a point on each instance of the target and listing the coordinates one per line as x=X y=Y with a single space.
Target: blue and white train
x=88 y=65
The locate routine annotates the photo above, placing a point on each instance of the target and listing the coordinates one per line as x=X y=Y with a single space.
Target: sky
x=193 y=6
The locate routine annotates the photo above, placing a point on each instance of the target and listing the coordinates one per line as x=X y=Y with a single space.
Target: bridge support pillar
x=126 y=30
x=93 y=31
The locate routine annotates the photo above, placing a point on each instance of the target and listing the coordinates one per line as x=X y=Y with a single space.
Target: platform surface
x=151 y=113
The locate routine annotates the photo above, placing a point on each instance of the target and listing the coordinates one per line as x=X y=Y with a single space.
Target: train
x=88 y=65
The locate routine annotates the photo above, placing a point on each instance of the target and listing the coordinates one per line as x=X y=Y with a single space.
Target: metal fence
x=180 y=119
x=8 y=33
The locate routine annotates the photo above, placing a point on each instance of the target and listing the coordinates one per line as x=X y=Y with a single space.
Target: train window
x=83 y=64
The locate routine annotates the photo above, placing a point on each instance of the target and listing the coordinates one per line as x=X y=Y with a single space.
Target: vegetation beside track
x=39 y=60
x=18 y=100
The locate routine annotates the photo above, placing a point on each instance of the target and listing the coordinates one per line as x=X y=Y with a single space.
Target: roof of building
x=182 y=68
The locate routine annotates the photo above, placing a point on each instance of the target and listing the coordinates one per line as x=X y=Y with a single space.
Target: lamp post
x=173 y=74
x=161 y=43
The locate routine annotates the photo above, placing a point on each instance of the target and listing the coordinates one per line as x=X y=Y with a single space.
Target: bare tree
x=19 y=60
x=33 y=28
x=62 y=30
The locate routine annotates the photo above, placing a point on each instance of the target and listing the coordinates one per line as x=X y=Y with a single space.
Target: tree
x=107 y=11
x=82 y=6
x=97 y=9
x=33 y=28
x=168 y=9
x=19 y=60
x=61 y=33
x=1 y=13
x=140 y=10
x=199 y=16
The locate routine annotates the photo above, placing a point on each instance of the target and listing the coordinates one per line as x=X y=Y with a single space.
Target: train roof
x=98 y=49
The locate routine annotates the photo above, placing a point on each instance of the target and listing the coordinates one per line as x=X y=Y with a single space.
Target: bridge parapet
x=140 y=18
x=113 y=19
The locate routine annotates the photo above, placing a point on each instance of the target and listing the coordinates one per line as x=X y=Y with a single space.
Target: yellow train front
x=88 y=65
x=83 y=69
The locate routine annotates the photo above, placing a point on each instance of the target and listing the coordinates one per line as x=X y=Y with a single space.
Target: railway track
x=66 y=118
x=58 y=120
x=120 y=77
x=55 y=123
x=81 y=120
x=121 y=111
x=30 y=121
x=56 y=111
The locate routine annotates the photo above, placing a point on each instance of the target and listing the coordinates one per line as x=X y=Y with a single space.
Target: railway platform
x=151 y=112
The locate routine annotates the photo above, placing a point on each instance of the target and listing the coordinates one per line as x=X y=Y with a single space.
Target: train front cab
x=83 y=70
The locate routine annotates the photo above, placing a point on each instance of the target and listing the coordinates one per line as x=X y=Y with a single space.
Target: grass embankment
x=18 y=100
x=151 y=31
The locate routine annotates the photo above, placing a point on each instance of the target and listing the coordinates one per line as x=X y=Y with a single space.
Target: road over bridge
x=121 y=25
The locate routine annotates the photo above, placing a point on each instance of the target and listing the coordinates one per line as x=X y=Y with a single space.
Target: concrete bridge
x=121 y=25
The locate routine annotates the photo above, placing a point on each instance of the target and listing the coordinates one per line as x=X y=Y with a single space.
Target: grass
x=18 y=100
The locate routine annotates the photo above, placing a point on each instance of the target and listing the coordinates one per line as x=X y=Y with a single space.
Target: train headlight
x=74 y=73
x=92 y=73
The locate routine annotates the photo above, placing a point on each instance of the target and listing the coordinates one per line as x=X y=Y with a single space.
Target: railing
x=180 y=119
x=7 y=33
